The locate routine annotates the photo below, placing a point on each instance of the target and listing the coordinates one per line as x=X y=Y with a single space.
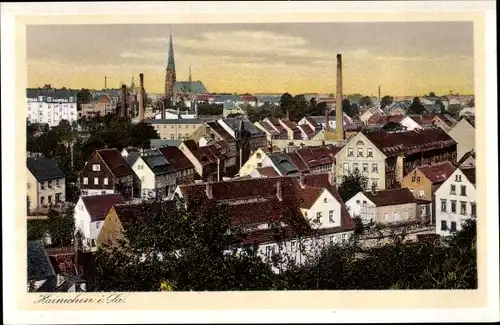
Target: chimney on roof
x=374 y=189
x=141 y=97
x=208 y=190
x=302 y=181
x=331 y=178
x=279 y=191
x=339 y=113
x=105 y=82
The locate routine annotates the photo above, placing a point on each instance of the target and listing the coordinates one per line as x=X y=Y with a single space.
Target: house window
x=365 y=168
x=346 y=168
x=49 y=198
x=370 y=152
x=452 y=189
x=96 y=181
x=269 y=251
x=105 y=181
x=344 y=238
x=186 y=135
x=374 y=168
x=172 y=136
x=259 y=165
x=258 y=155
x=96 y=167
x=29 y=186
x=57 y=182
x=355 y=167
x=375 y=183
x=350 y=152
x=333 y=239
x=58 y=197
x=463 y=190
x=421 y=193
x=458 y=178
x=386 y=217
x=360 y=152
x=357 y=202
x=85 y=181
x=453 y=206
x=42 y=199
x=453 y=226
x=473 y=209
x=42 y=185
x=443 y=205
x=318 y=217
x=331 y=216
x=325 y=200
x=97 y=224
x=444 y=225
x=463 y=208
x=49 y=184
x=293 y=245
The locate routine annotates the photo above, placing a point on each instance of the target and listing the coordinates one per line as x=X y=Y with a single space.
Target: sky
x=403 y=58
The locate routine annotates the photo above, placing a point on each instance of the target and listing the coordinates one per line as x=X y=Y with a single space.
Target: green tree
x=386 y=101
x=189 y=249
x=348 y=108
x=365 y=101
x=180 y=105
x=454 y=110
x=471 y=103
x=61 y=226
x=416 y=107
x=141 y=133
x=287 y=104
x=300 y=108
x=351 y=184
x=83 y=97
x=441 y=105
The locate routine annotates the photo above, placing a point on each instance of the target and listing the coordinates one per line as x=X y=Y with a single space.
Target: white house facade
x=50 y=106
x=455 y=201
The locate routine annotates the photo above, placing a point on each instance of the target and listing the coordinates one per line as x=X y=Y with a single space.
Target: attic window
x=360 y=143
x=325 y=200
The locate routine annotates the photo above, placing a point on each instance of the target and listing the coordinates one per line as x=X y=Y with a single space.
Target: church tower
x=170 y=77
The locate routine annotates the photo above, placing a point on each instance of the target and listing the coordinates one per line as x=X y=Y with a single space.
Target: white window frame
x=105 y=181
x=331 y=216
x=96 y=167
x=85 y=181
x=96 y=180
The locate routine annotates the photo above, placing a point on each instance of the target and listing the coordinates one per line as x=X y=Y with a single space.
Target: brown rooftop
x=409 y=142
x=391 y=197
x=470 y=173
x=438 y=173
x=115 y=162
x=98 y=206
x=267 y=172
x=176 y=158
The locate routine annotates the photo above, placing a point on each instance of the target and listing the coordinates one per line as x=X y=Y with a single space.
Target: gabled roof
x=176 y=158
x=391 y=197
x=289 y=124
x=283 y=163
x=132 y=158
x=275 y=123
x=471 y=120
x=115 y=162
x=437 y=173
x=39 y=266
x=44 y=169
x=466 y=156
x=98 y=206
x=298 y=162
x=470 y=173
x=306 y=128
x=130 y=213
x=220 y=131
x=268 y=128
x=234 y=123
x=384 y=119
x=157 y=163
x=409 y=142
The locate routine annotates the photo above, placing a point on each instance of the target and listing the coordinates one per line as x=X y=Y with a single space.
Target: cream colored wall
x=32 y=190
x=165 y=130
x=320 y=205
x=425 y=185
x=252 y=162
x=464 y=134
x=197 y=166
x=378 y=158
x=405 y=212
x=145 y=175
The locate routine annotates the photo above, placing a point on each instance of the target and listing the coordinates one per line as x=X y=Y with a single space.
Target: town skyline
x=403 y=58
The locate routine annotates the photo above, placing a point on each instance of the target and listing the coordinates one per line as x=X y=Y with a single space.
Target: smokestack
x=326 y=119
x=379 y=93
x=339 y=113
x=105 y=82
x=141 y=97
x=123 y=111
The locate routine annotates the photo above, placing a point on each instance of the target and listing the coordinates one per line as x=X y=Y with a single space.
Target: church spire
x=171 y=60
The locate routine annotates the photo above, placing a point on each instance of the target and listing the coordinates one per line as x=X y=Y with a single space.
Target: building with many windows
x=50 y=106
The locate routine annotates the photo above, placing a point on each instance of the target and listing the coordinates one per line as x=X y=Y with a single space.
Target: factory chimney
x=379 y=93
x=141 y=97
x=105 y=82
x=326 y=119
x=123 y=111
x=339 y=113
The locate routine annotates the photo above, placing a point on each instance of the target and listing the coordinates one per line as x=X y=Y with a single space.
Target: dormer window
x=370 y=152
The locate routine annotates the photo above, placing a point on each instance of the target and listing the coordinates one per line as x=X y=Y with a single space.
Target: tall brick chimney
x=141 y=97
x=339 y=113
x=123 y=111
x=327 y=121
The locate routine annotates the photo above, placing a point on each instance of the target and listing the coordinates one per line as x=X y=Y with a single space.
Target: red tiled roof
x=437 y=173
x=312 y=121
x=391 y=197
x=267 y=172
x=378 y=119
x=409 y=142
x=291 y=125
x=176 y=158
x=268 y=128
x=115 y=162
x=423 y=119
x=274 y=122
x=298 y=162
x=221 y=132
x=307 y=130
x=128 y=213
x=98 y=206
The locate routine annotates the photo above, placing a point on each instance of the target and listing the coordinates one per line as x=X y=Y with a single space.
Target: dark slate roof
x=44 y=168
x=196 y=87
x=470 y=173
x=34 y=93
x=283 y=163
x=176 y=158
x=391 y=197
x=157 y=163
x=132 y=158
x=234 y=123
x=39 y=266
x=466 y=156
x=98 y=206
